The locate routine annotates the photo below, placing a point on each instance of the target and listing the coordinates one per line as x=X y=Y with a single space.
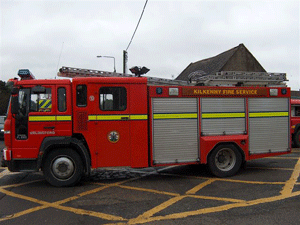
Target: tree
x=4 y=97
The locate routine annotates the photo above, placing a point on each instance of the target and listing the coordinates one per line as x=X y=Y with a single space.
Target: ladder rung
x=237 y=77
x=77 y=72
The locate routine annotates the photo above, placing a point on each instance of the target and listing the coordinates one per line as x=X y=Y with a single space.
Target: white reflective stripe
x=6 y=155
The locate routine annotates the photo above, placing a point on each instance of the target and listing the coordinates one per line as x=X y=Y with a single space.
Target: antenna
x=59 y=57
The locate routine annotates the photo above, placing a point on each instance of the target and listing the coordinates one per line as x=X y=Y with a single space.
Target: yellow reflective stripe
x=268 y=114
x=176 y=116
x=92 y=117
x=222 y=115
x=112 y=117
x=49 y=118
x=138 y=117
x=117 y=117
x=63 y=118
x=42 y=118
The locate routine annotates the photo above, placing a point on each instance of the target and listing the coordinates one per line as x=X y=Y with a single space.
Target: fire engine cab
x=66 y=127
x=295 y=120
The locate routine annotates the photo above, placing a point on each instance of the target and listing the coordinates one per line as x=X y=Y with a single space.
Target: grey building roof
x=218 y=62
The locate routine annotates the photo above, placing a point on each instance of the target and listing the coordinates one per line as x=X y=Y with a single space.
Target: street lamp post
x=99 y=56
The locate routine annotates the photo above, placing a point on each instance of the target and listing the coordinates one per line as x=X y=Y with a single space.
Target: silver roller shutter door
x=223 y=116
x=268 y=125
x=175 y=130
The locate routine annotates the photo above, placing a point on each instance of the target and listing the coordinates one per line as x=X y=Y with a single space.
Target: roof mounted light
x=25 y=74
x=138 y=71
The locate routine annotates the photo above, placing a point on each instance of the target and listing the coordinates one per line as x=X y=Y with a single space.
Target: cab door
x=112 y=125
x=63 y=123
x=34 y=121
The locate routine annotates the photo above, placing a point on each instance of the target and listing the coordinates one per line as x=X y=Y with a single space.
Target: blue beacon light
x=25 y=74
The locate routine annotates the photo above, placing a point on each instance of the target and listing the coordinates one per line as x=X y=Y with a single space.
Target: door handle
x=49 y=128
x=125 y=118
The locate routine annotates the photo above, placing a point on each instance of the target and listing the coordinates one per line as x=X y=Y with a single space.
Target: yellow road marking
x=283 y=157
x=21 y=184
x=268 y=168
x=226 y=180
x=12 y=194
x=4 y=173
x=148 y=215
x=216 y=198
x=249 y=182
x=200 y=186
x=22 y=213
x=156 y=209
x=59 y=206
x=288 y=187
x=181 y=215
x=88 y=213
x=149 y=190
x=176 y=194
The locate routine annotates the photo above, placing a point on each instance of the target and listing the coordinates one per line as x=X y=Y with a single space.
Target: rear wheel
x=297 y=139
x=225 y=160
x=63 y=167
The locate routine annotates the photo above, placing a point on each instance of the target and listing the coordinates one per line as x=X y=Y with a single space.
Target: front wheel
x=63 y=167
x=225 y=161
x=296 y=138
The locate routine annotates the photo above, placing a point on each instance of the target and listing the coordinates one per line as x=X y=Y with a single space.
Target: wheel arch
x=227 y=144
x=231 y=162
x=51 y=143
x=295 y=140
x=297 y=127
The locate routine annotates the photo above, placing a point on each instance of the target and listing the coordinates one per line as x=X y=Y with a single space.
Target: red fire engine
x=295 y=119
x=66 y=127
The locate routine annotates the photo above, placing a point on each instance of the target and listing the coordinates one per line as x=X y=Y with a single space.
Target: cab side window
x=81 y=96
x=113 y=98
x=297 y=111
x=61 y=99
x=41 y=102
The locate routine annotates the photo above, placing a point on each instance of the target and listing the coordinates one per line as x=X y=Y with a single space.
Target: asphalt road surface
x=267 y=191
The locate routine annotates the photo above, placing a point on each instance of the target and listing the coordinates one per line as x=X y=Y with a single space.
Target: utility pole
x=125 y=58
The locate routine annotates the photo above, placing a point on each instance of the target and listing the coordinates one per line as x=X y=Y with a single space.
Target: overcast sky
x=171 y=34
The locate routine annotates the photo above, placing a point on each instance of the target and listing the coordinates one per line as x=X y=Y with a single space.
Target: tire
x=63 y=167
x=225 y=161
x=296 y=139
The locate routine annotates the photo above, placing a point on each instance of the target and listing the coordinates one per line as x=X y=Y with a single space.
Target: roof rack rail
x=71 y=72
x=238 y=78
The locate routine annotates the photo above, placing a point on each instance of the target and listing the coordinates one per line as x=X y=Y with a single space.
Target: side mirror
x=15 y=105
x=14 y=90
